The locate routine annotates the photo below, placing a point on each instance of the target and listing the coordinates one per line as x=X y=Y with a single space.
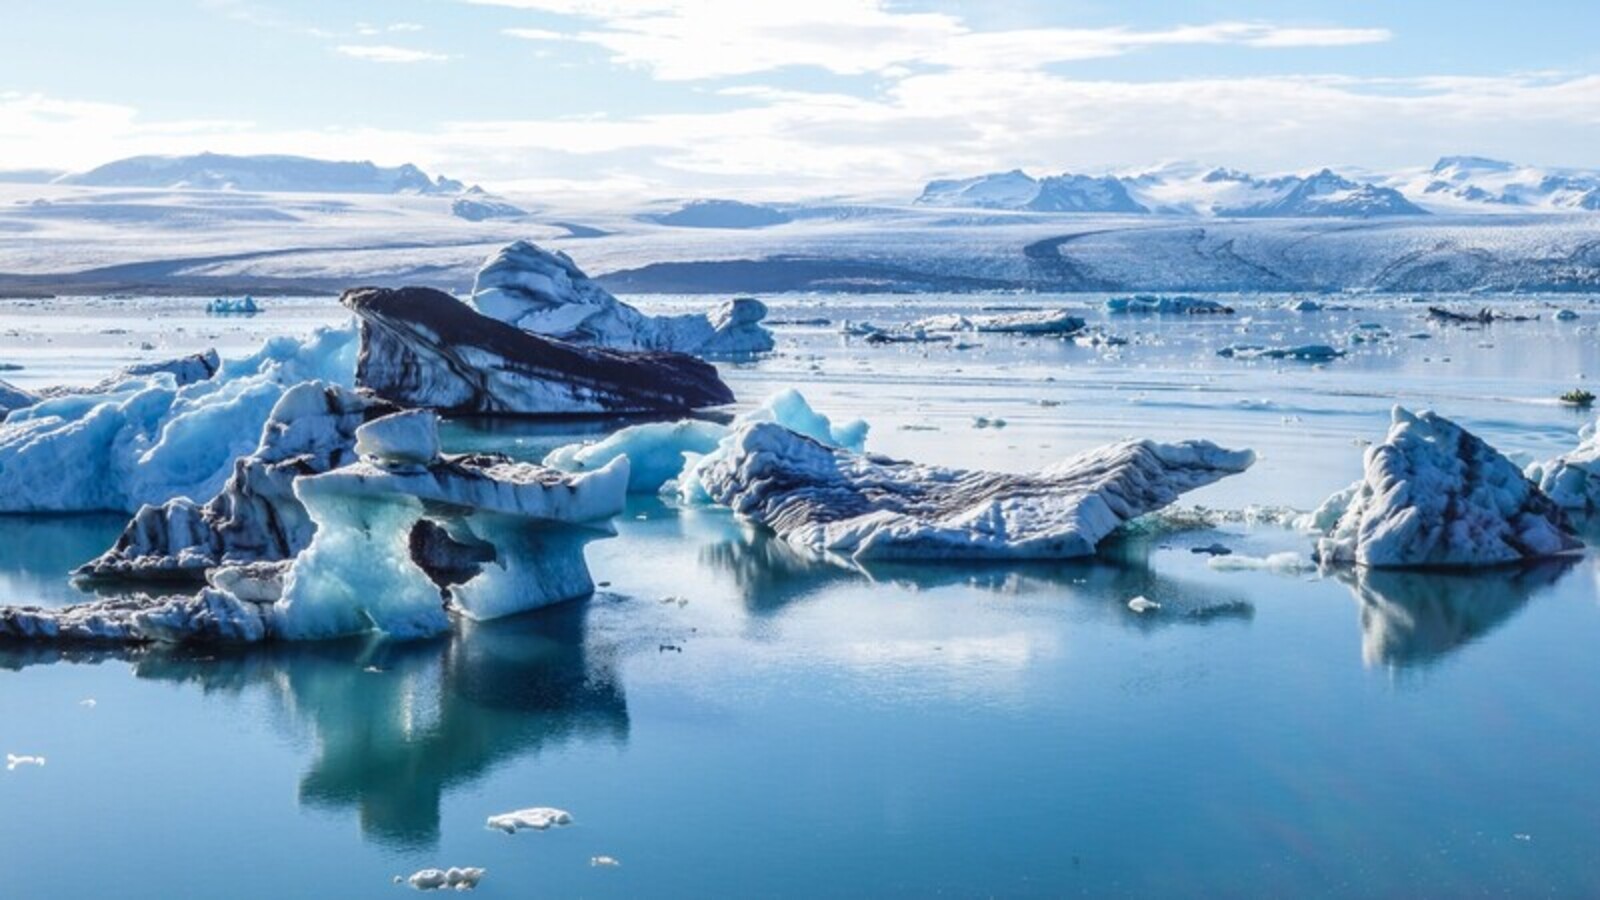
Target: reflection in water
x=770 y=574
x=1412 y=618
x=37 y=552
x=399 y=724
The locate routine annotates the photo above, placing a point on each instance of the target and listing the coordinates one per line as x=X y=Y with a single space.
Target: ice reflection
x=399 y=725
x=1411 y=618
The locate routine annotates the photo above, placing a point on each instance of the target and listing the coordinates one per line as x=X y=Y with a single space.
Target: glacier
x=834 y=502
x=1433 y=495
x=546 y=293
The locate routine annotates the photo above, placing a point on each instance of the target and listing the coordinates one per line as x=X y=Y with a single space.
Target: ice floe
x=538 y=818
x=830 y=500
x=14 y=760
x=546 y=293
x=1435 y=495
x=424 y=348
x=1058 y=322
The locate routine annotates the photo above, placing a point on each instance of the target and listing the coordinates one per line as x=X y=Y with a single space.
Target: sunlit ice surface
x=726 y=716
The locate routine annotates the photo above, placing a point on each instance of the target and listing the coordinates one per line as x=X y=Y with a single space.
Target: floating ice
x=605 y=862
x=1143 y=604
x=405 y=440
x=463 y=878
x=829 y=500
x=148 y=438
x=1573 y=479
x=1286 y=562
x=424 y=348
x=233 y=306
x=1566 y=315
x=658 y=452
x=1160 y=305
x=546 y=293
x=13 y=397
x=361 y=569
x=537 y=817
x=1434 y=495
x=1303 y=353
x=256 y=516
x=1027 y=322
x=13 y=760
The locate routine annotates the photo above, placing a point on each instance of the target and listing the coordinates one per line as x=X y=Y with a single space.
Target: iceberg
x=210 y=616
x=831 y=501
x=361 y=571
x=1026 y=322
x=1150 y=304
x=147 y=438
x=455 y=878
x=1436 y=496
x=1572 y=479
x=422 y=348
x=256 y=516
x=544 y=292
x=233 y=306
x=659 y=452
x=13 y=397
x=538 y=818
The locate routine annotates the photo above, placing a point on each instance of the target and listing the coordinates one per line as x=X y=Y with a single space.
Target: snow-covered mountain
x=1018 y=190
x=287 y=174
x=1178 y=190
x=1476 y=183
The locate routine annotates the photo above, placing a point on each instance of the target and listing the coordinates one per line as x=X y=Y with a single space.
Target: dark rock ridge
x=423 y=348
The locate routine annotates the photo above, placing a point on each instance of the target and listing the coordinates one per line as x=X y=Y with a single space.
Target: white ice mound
x=455 y=878
x=1300 y=352
x=546 y=293
x=659 y=452
x=538 y=818
x=1434 y=495
x=256 y=516
x=1573 y=479
x=361 y=570
x=829 y=500
x=145 y=439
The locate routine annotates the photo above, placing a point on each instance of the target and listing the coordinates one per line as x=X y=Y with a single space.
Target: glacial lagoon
x=727 y=716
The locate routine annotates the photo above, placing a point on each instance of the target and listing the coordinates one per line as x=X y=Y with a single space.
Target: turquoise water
x=726 y=718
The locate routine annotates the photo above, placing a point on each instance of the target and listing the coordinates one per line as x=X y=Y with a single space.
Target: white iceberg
x=455 y=878
x=546 y=293
x=1301 y=353
x=1435 y=495
x=832 y=501
x=1573 y=479
x=1058 y=322
x=148 y=438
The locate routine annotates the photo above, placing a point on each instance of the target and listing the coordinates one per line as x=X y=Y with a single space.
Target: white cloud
x=385 y=53
x=534 y=34
x=681 y=40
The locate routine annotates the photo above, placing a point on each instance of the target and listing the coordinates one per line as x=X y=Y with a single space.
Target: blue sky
x=663 y=97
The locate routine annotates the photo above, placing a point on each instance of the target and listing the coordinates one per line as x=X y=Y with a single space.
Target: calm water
x=727 y=718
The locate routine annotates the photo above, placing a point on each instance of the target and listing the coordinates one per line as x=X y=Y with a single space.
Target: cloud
x=682 y=40
x=386 y=53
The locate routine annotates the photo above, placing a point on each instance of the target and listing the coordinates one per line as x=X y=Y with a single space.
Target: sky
x=759 y=99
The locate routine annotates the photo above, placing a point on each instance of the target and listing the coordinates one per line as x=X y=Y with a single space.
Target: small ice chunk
x=1142 y=604
x=1288 y=562
x=608 y=862
x=462 y=878
x=13 y=760
x=536 y=817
